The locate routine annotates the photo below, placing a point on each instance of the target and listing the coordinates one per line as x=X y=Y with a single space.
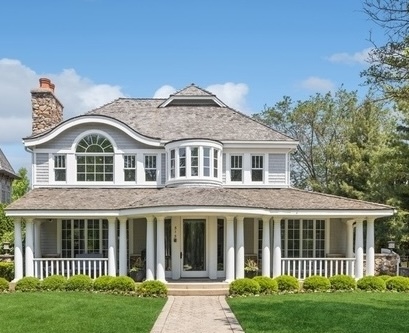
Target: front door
x=194 y=261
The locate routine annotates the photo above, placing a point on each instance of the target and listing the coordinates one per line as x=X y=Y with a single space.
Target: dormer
x=192 y=96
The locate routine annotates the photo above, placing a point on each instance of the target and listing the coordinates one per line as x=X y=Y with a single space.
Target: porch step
x=198 y=288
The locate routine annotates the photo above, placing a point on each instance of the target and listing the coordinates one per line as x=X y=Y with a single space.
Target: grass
x=68 y=312
x=323 y=312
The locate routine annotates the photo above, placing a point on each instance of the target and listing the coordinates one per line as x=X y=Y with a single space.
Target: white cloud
x=76 y=93
x=351 y=59
x=164 y=91
x=316 y=84
x=232 y=94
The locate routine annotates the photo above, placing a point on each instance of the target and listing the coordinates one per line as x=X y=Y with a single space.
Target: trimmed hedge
x=122 y=284
x=54 y=282
x=102 y=283
x=244 y=287
x=385 y=277
x=398 y=283
x=4 y=284
x=287 y=283
x=80 y=282
x=371 y=283
x=342 y=282
x=316 y=283
x=267 y=285
x=152 y=288
x=28 y=283
x=7 y=270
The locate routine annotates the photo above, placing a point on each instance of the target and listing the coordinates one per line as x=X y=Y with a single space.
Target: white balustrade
x=302 y=268
x=93 y=267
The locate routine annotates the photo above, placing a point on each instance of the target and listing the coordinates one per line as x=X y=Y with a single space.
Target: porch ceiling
x=117 y=199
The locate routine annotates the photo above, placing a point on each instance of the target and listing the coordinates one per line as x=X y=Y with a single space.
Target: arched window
x=95 y=159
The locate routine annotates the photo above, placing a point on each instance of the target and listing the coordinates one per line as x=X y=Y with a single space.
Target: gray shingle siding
x=42 y=173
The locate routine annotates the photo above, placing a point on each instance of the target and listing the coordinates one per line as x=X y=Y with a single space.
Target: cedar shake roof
x=126 y=198
x=191 y=113
x=5 y=166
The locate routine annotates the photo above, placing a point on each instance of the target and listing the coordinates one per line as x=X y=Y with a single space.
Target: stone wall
x=47 y=111
x=386 y=264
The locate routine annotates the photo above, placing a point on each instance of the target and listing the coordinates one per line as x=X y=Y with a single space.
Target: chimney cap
x=45 y=83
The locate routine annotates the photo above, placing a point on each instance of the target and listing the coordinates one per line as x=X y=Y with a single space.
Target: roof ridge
x=190 y=86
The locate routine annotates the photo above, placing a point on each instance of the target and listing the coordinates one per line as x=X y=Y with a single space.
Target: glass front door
x=194 y=248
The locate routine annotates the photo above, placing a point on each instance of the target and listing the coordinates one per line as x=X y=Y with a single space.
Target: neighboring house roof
x=285 y=199
x=5 y=166
x=190 y=113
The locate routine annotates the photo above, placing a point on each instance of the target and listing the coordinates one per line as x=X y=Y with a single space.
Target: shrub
x=4 y=284
x=79 y=282
x=398 y=283
x=342 y=282
x=7 y=270
x=102 y=283
x=244 y=287
x=28 y=283
x=54 y=282
x=371 y=283
x=152 y=288
x=122 y=284
x=316 y=283
x=385 y=277
x=267 y=285
x=287 y=283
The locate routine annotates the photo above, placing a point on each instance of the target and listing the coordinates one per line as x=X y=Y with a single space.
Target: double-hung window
x=150 y=168
x=215 y=163
x=182 y=162
x=172 y=163
x=129 y=168
x=194 y=161
x=206 y=161
x=236 y=168
x=60 y=169
x=257 y=168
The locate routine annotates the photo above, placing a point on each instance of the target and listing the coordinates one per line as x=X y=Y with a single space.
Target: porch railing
x=93 y=267
x=302 y=268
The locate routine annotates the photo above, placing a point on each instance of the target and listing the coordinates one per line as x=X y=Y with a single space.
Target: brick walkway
x=195 y=314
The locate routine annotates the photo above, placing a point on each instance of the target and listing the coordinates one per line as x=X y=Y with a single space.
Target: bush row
x=117 y=284
x=286 y=283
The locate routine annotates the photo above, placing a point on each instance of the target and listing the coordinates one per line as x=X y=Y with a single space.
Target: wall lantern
x=6 y=247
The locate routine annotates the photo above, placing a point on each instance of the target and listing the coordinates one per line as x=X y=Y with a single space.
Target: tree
x=339 y=140
x=21 y=185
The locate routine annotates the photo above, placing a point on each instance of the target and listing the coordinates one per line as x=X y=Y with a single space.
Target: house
x=185 y=183
x=7 y=175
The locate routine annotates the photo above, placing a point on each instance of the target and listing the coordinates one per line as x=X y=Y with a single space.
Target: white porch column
x=277 y=248
x=122 y=246
x=111 y=247
x=359 y=249
x=37 y=239
x=370 y=247
x=229 y=248
x=350 y=239
x=150 y=249
x=160 y=249
x=240 y=248
x=29 y=247
x=18 y=253
x=266 y=246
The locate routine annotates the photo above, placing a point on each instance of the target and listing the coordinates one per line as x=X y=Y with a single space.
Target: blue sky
x=250 y=53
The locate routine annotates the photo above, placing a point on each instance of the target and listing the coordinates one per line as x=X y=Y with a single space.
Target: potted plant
x=251 y=268
x=137 y=271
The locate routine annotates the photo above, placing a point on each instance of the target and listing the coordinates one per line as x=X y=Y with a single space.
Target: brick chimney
x=47 y=109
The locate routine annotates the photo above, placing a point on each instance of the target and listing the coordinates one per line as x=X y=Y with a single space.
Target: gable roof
x=5 y=166
x=190 y=113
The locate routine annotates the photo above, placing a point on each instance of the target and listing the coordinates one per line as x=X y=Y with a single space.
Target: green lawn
x=76 y=312
x=323 y=312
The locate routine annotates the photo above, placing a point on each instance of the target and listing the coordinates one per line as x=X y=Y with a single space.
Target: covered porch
x=204 y=235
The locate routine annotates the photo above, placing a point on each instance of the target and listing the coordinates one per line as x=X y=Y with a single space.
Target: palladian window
x=95 y=159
